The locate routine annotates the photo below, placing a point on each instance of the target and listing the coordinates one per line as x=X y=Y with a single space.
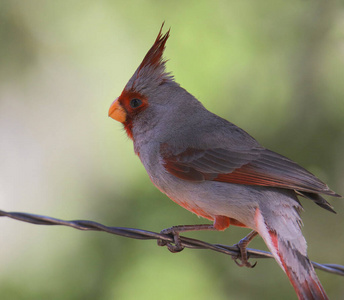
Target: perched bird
x=218 y=171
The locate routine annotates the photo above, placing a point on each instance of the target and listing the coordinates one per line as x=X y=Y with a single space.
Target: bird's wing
x=255 y=166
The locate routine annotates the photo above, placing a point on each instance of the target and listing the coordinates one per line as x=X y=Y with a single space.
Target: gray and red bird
x=218 y=171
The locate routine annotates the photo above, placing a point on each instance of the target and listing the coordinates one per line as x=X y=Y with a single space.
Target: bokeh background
x=274 y=68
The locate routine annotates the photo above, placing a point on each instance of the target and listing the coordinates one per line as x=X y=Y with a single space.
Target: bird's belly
x=209 y=199
x=193 y=207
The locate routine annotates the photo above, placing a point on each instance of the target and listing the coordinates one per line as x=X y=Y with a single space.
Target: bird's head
x=145 y=87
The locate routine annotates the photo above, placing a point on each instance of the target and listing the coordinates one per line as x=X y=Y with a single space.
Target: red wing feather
x=183 y=172
x=247 y=174
x=257 y=166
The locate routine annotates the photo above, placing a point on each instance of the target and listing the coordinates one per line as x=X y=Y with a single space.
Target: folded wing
x=255 y=166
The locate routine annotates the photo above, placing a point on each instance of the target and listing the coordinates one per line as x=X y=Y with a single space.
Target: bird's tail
x=289 y=249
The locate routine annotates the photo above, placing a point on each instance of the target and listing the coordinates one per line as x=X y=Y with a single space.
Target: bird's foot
x=242 y=246
x=243 y=257
x=176 y=245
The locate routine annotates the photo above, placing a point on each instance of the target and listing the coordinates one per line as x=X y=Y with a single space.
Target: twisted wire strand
x=149 y=235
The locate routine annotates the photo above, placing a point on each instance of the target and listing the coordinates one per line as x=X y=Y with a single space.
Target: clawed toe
x=174 y=247
x=243 y=256
x=243 y=263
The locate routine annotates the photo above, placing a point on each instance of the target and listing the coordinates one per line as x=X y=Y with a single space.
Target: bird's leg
x=242 y=245
x=176 y=230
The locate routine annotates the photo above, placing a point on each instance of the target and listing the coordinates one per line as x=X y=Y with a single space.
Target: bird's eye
x=134 y=103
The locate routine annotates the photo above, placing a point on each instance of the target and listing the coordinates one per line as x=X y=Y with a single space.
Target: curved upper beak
x=117 y=112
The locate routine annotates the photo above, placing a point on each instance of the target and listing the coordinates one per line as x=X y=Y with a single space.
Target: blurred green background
x=274 y=68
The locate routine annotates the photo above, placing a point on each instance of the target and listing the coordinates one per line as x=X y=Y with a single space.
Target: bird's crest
x=152 y=67
x=153 y=58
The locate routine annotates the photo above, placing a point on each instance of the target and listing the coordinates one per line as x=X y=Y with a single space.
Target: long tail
x=288 y=246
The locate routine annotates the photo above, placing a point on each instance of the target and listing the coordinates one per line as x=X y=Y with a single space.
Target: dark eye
x=135 y=103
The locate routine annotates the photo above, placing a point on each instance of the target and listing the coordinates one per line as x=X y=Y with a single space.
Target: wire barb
x=149 y=235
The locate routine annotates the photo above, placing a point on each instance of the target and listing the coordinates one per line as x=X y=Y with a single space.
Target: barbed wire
x=150 y=235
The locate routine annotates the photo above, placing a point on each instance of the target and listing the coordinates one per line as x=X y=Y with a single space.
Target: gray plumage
x=215 y=169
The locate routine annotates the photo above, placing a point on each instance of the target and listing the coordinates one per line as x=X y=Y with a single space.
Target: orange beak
x=117 y=112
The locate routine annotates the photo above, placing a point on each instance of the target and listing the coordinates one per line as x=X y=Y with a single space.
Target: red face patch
x=133 y=103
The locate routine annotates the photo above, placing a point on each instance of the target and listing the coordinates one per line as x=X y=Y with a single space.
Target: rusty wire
x=149 y=235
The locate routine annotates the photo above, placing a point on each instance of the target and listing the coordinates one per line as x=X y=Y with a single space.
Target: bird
x=218 y=171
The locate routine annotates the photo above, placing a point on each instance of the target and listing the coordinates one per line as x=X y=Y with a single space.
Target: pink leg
x=220 y=223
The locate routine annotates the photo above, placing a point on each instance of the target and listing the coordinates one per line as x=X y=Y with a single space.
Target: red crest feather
x=152 y=69
x=153 y=57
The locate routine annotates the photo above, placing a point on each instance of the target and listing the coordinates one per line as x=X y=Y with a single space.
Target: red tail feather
x=293 y=261
x=303 y=278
